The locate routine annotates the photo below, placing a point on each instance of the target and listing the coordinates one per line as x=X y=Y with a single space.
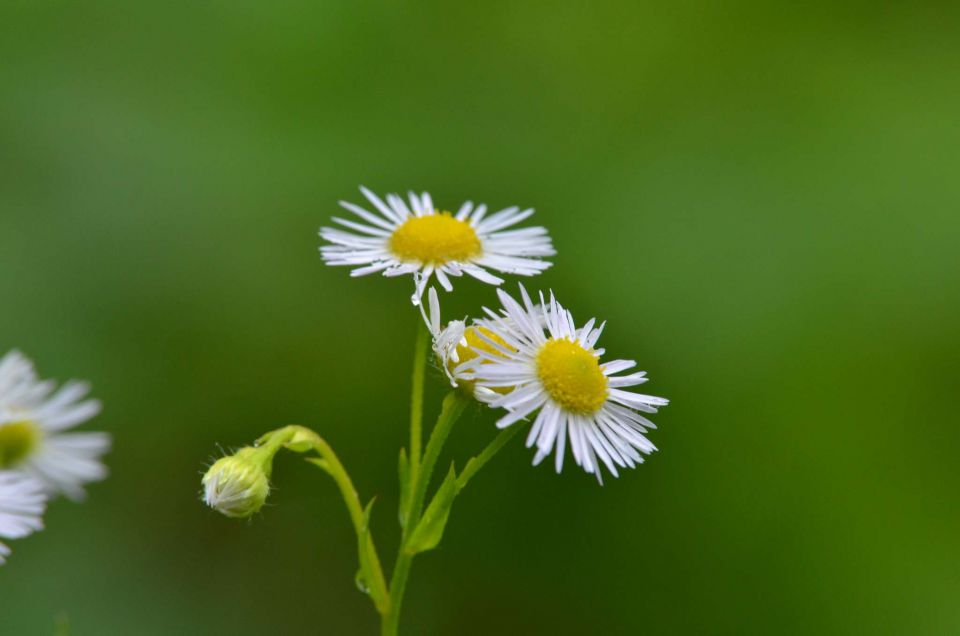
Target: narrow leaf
x=370 y=577
x=429 y=532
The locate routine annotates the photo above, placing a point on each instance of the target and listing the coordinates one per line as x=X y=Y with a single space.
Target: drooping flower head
x=33 y=418
x=553 y=371
x=420 y=240
x=22 y=503
x=454 y=346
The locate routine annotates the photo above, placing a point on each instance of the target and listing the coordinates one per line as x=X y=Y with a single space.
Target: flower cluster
x=528 y=358
x=38 y=458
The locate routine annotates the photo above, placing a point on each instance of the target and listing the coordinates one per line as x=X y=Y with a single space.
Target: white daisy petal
x=464 y=211
x=397 y=269
x=443 y=280
x=360 y=227
x=561 y=440
x=535 y=431
x=616 y=366
x=22 y=504
x=515 y=416
x=416 y=204
x=478 y=214
x=368 y=217
x=380 y=205
x=434 y=322
x=482 y=275
x=627 y=380
x=646 y=403
x=370 y=269
x=399 y=207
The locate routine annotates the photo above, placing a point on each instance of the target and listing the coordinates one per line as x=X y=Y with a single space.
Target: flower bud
x=237 y=485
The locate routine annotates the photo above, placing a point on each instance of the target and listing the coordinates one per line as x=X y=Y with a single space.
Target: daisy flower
x=33 y=418
x=420 y=240
x=551 y=368
x=22 y=502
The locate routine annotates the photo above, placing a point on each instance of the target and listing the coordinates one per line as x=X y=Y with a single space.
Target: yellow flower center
x=17 y=441
x=465 y=353
x=572 y=376
x=434 y=240
x=474 y=341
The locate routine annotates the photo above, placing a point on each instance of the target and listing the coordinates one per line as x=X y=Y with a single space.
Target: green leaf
x=427 y=534
x=404 y=470
x=370 y=577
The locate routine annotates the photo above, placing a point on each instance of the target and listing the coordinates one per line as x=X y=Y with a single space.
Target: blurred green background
x=762 y=199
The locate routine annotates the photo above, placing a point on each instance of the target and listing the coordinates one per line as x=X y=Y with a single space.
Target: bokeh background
x=762 y=199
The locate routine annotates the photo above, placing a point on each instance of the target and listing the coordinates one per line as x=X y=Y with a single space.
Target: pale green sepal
x=427 y=534
x=370 y=577
x=404 y=470
x=303 y=440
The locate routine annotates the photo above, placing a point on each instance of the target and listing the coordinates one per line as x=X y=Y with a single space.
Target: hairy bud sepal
x=238 y=485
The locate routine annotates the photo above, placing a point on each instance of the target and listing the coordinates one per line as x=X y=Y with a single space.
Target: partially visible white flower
x=446 y=339
x=33 y=417
x=22 y=503
x=554 y=371
x=453 y=345
x=423 y=241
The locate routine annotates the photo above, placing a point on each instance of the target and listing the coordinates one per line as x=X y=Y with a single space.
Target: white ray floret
x=555 y=376
x=34 y=416
x=418 y=239
x=22 y=503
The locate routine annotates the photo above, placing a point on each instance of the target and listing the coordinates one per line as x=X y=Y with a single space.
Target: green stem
x=369 y=560
x=336 y=470
x=478 y=462
x=453 y=406
x=416 y=395
x=300 y=439
x=398 y=585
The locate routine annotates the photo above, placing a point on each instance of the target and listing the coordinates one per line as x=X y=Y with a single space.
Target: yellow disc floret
x=474 y=341
x=467 y=352
x=572 y=376
x=434 y=240
x=17 y=441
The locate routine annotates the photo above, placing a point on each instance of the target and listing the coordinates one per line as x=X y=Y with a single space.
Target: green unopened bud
x=238 y=485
